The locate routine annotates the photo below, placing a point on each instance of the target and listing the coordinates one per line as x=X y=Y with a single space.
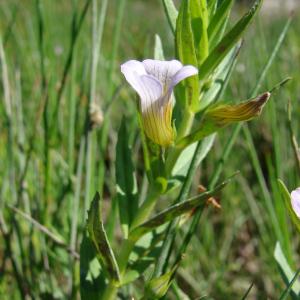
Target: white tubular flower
x=154 y=81
x=295 y=200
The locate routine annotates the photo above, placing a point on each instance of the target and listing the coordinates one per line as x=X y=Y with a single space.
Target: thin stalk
x=184 y=129
x=112 y=289
x=75 y=207
x=45 y=112
x=97 y=33
x=287 y=291
x=162 y=260
x=146 y=208
x=89 y=163
x=110 y=292
x=72 y=117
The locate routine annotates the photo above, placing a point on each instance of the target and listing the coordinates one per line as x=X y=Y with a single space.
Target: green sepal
x=221 y=115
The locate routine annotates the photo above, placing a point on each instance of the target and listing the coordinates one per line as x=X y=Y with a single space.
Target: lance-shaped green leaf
x=99 y=238
x=175 y=211
x=288 y=289
x=222 y=115
x=286 y=271
x=228 y=42
x=171 y=13
x=219 y=79
x=288 y=203
x=158 y=287
x=185 y=46
x=125 y=179
x=92 y=279
x=216 y=24
x=199 y=23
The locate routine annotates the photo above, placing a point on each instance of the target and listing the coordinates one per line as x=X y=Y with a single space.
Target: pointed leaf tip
x=226 y=114
x=98 y=236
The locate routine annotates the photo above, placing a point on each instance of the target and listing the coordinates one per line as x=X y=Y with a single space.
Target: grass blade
x=248 y=291
x=216 y=24
x=171 y=13
x=289 y=287
x=287 y=273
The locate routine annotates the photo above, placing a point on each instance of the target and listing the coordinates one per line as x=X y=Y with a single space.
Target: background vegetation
x=51 y=164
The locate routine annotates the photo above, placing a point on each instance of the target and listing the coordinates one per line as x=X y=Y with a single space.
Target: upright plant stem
x=163 y=258
x=72 y=116
x=45 y=111
x=186 y=124
x=97 y=32
x=75 y=209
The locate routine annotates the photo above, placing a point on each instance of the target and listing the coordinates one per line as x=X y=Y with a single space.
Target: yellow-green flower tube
x=154 y=81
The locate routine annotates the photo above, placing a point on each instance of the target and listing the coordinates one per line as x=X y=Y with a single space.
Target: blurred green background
x=43 y=136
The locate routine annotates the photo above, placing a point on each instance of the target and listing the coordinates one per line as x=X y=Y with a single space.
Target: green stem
x=112 y=289
x=184 y=129
x=146 y=208
x=125 y=253
x=185 y=124
x=110 y=292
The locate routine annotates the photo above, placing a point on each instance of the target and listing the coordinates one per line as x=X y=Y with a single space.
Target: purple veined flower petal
x=154 y=81
x=295 y=201
x=156 y=111
x=132 y=70
x=162 y=70
x=151 y=91
x=182 y=74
